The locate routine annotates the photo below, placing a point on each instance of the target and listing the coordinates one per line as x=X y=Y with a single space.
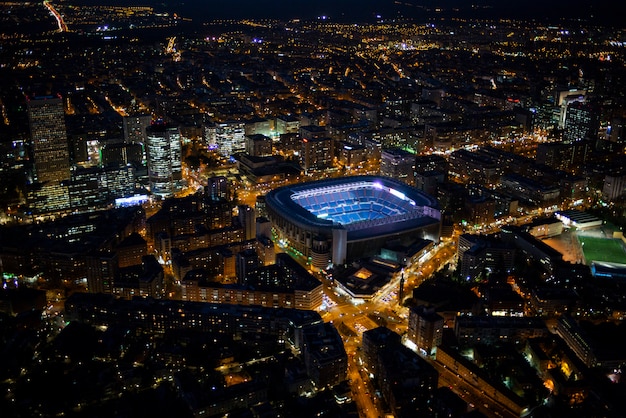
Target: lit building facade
x=229 y=137
x=96 y=187
x=287 y=325
x=217 y=187
x=258 y=126
x=163 y=149
x=49 y=139
x=425 y=329
x=122 y=153
x=352 y=155
x=317 y=153
x=398 y=164
x=324 y=356
x=135 y=128
x=582 y=121
x=51 y=155
x=614 y=187
x=258 y=145
x=287 y=125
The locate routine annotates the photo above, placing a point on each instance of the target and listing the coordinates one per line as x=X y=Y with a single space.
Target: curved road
x=60 y=22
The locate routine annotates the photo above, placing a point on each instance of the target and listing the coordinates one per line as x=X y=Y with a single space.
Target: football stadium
x=339 y=220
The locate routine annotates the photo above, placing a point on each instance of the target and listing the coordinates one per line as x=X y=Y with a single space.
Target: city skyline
x=402 y=209
x=372 y=10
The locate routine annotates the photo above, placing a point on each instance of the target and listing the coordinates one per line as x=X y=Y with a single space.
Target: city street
x=352 y=319
x=470 y=394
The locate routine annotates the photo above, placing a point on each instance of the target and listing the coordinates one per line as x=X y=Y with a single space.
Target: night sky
x=604 y=11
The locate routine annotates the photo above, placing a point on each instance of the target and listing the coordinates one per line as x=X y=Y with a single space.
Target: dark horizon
x=371 y=10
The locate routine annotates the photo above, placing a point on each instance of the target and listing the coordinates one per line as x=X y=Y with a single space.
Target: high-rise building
x=131 y=250
x=287 y=124
x=135 y=128
x=101 y=269
x=265 y=250
x=317 y=153
x=163 y=152
x=429 y=181
x=614 y=187
x=258 y=126
x=582 y=121
x=313 y=132
x=431 y=162
x=258 y=145
x=563 y=99
x=556 y=155
x=324 y=356
x=406 y=381
x=263 y=227
x=49 y=139
x=124 y=153
x=479 y=209
x=85 y=190
x=247 y=220
x=398 y=164
x=375 y=340
x=217 y=187
x=50 y=154
x=425 y=328
x=96 y=187
x=247 y=260
x=617 y=131
x=218 y=213
x=352 y=155
x=49 y=197
x=229 y=137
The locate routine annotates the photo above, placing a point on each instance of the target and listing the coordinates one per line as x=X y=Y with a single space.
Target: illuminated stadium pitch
x=350 y=203
x=330 y=221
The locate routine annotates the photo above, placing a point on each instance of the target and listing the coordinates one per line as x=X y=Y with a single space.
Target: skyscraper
x=582 y=121
x=135 y=128
x=564 y=98
x=49 y=139
x=50 y=154
x=163 y=152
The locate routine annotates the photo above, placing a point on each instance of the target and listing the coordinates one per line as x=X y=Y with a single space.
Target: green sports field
x=601 y=249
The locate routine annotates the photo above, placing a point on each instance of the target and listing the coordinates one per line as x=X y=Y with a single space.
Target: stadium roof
x=294 y=203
